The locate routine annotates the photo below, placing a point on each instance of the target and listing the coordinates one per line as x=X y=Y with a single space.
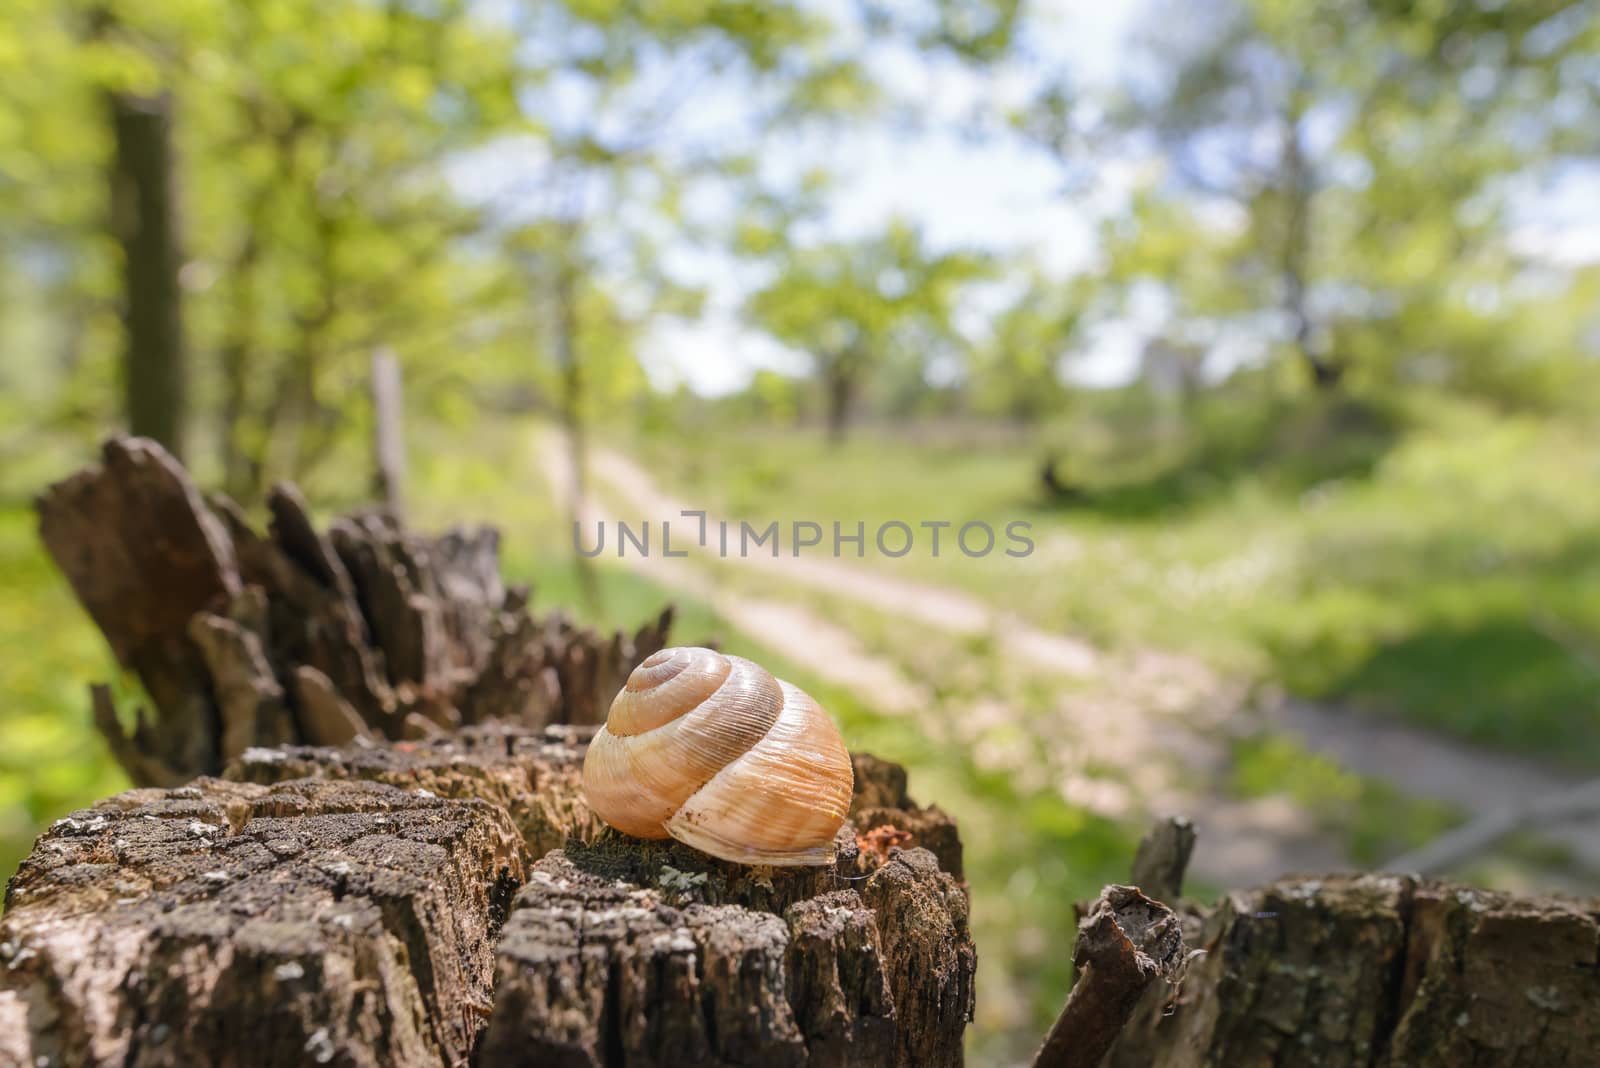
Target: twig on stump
x=1125 y=943
x=1163 y=858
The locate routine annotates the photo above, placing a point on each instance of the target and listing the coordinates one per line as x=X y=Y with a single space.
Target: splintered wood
x=366 y=629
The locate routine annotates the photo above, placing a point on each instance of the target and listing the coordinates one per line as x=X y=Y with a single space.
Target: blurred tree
x=1341 y=179
x=310 y=142
x=341 y=121
x=852 y=305
x=621 y=93
x=335 y=159
x=144 y=218
x=1016 y=372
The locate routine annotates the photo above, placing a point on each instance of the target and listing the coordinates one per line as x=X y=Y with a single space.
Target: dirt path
x=1423 y=764
x=945 y=609
x=1161 y=719
x=830 y=651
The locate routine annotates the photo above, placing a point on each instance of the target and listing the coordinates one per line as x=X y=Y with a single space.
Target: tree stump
x=1371 y=970
x=1379 y=970
x=397 y=866
x=364 y=630
x=451 y=899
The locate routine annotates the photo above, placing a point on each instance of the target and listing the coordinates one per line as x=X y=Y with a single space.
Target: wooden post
x=388 y=436
x=144 y=220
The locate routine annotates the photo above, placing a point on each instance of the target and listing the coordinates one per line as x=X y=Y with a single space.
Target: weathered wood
x=877 y=965
x=624 y=952
x=881 y=801
x=298 y=635
x=338 y=905
x=535 y=775
x=1126 y=943
x=1162 y=858
x=922 y=915
x=251 y=701
x=144 y=554
x=1380 y=970
x=233 y=924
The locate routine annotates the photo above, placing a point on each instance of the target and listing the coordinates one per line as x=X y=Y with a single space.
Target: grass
x=1375 y=821
x=1427 y=560
x=52 y=761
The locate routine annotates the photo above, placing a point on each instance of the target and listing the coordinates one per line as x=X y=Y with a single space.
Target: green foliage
x=52 y=762
x=1341 y=183
x=329 y=155
x=855 y=305
x=1377 y=821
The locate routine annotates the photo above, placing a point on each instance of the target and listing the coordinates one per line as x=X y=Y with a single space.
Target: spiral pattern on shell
x=714 y=751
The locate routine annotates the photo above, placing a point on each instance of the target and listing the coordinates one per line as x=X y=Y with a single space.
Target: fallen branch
x=1466 y=841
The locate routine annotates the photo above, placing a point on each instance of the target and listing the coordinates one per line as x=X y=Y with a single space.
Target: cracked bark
x=360 y=906
x=1378 y=971
x=233 y=924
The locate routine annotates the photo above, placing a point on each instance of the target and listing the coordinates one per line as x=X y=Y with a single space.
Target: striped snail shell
x=715 y=752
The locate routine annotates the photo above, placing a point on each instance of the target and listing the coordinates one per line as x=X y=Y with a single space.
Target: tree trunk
x=569 y=359
x=144 y=219
x=1296 y=258
x=841 y=386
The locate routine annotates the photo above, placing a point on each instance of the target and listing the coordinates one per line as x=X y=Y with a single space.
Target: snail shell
x=715 y=752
